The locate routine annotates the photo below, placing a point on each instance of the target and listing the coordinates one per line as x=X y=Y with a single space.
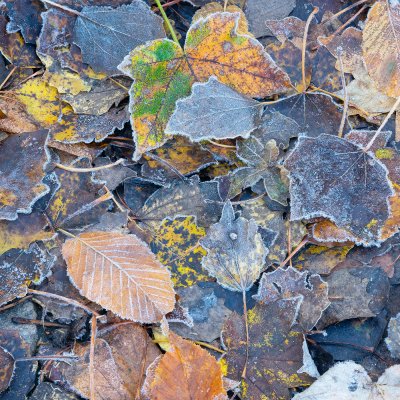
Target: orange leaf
x=119 y=272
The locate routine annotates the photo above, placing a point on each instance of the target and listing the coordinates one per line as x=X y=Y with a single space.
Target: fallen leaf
x=50 y=391
x=7 y=365
x=199 y=374
x=289 y=283
x=23 y=159
x=214 y=111
x=340 y=182
x=275 y=350
x=105 y=35
x=235 y=251
x=119 y=272
x=393 y=338
x=167 y=72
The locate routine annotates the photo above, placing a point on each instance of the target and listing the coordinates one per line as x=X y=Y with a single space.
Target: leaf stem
x=392 y=110
x=247 y=334
x=303 y=50
x=168 y=22
x=346 y=98
x=91 y=357
x=73 y=169
x=67 y=9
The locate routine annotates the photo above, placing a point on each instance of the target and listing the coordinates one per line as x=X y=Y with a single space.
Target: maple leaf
x=164 y=73
x=341 y=182
x=105 y=34
x=23 y=158
x=200 y=376
x=119 y=272
x=214 y=111
x=283 y=284
x=275 y=349
x=7 y=366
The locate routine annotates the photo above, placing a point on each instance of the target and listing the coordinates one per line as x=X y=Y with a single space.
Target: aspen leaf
x=164 y=73
x=185 y=372
x=214 y=111
x=119 y=272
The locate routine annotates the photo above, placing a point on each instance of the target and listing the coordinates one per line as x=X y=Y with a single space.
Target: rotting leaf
x=176 y=245
x=283 y=284
x=105 y=34
x=23 y=158
x=275 y=350
x=7 y=365
x=333 y=178
x=214 y=111
x=164 y=73
x=119 y=272
x=198 y=373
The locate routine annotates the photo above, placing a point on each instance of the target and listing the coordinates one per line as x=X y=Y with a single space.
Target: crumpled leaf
x=355 y=293
x=119 y=272
x=105 y=34
x=214 y=111
x=176 y=245
x=184 y=198
x=7 y=365
x=283 y=284
x=261 y=158
x=185 y=372
x=381 y=38
x=393 y=338
x=235 y=251
x=21 y=267
x=259 y=11
x=23 y=158
x=333 y=178
x=350 y=381
x=275 y=350
x=213 y=47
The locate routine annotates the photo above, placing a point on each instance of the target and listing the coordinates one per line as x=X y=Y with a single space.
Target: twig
x=8 y=306
x=303 y=50
x=168 y=22
x=347 y=22
x=226 y=146
x=27 y=321
x=7 y=77
x=209 y=346
x=119 y=84
x=73 y=169
x=346 y=98
x=294 y=252
x=392 y=110
x=47 y=358
x=65 y=299
x=247 y=333
x=338 y=14
x=65 y=8
x=91 y=357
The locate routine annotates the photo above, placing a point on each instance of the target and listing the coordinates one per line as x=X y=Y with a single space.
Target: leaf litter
x=199 y=200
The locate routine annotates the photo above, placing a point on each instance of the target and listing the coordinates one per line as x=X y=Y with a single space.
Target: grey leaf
x=106 y=35
x=214 y=111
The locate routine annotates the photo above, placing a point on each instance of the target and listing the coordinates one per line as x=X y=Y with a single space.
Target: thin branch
x=346 y=98
x=226 y=146
x=8 y=306
x=8 y=77
x=91 y=357
x=294 y=252
x=47 y=358
x=168 y=23
x=338 y=14
x=73 y=169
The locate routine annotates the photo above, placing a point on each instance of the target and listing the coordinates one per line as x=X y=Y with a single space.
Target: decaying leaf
x=235 y=251
x=275 y=350
x=185 y=372
x=214 y=111
x=176 y=245
x=213 y=47
x=119 y=272
x=283 y=284
x=393 y=339
x=350 y=381
x=106 y=35
x=333 y=178
x=7 y=365
x=23 y=158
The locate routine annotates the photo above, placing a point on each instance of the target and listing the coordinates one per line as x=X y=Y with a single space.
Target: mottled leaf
x=214 y=111
x=185 y=372
x=333 y=178
x=7 y=365
x=393 y=338
x=119 y=272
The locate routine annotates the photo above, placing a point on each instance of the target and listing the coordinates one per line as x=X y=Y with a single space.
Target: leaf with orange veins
x=119 y=272
x=164 y=73
x=185 y=372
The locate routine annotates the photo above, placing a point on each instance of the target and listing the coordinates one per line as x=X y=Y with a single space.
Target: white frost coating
x=309 y=366
x=214 y=111
x=393 y=339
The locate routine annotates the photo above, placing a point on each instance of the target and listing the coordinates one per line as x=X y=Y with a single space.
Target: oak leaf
x=164 y=73
x=185 y=372
x=119 y=272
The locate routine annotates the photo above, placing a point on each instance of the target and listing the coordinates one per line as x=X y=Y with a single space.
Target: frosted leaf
x=283 y=284
x=393 y=339
x=106 y=35
x=214 y=111
x=333 y=178
x=238 y=262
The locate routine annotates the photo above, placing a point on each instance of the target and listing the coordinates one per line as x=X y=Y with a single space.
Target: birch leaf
x=119 y=272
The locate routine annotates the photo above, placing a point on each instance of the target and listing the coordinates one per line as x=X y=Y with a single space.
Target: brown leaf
x=7 y=365
x=119 y=272
x=185 y=372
